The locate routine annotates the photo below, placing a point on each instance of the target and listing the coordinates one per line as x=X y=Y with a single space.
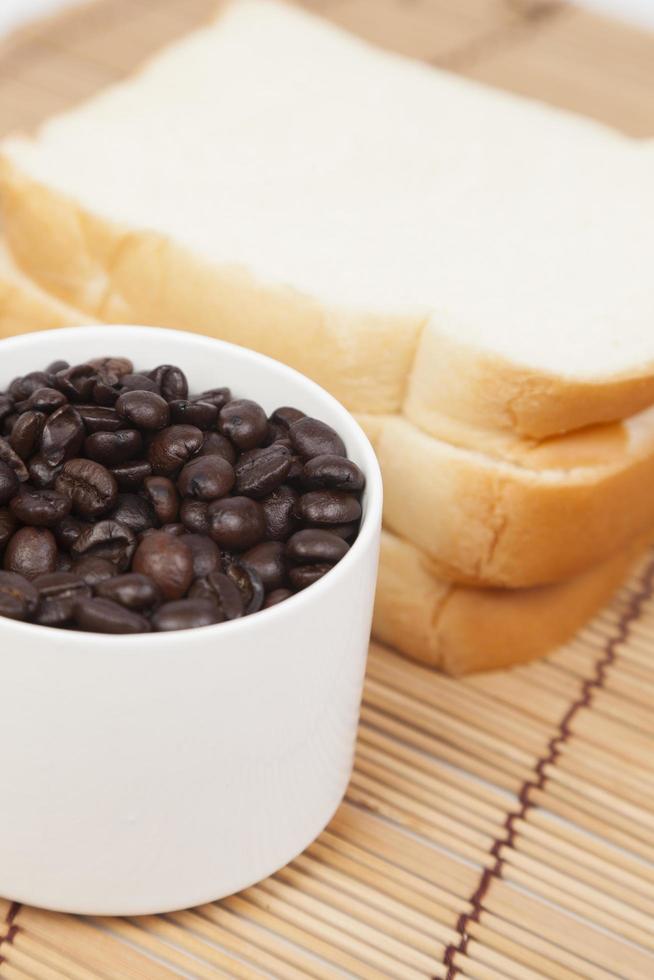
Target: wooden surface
x=497 y=827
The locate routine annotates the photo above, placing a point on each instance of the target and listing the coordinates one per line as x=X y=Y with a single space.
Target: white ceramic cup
x=155 y=772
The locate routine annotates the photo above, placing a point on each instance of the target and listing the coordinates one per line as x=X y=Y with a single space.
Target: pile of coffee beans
x=128 y=505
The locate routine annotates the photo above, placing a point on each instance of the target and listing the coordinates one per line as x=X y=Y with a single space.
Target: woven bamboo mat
x=496 y=827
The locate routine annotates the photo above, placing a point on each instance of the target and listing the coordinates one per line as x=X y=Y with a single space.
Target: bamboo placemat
x=496 y=827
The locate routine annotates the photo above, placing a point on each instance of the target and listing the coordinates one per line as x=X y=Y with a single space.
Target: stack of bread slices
x=470 y=273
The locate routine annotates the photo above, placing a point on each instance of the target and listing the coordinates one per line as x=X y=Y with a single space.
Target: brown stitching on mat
x=630 y=614
x=8 y=937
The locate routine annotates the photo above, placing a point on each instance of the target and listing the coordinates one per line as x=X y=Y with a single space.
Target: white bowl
x=155 y=772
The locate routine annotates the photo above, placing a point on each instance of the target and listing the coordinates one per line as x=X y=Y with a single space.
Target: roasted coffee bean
x=40 y=508
x=275 y=597
x=131 y=590
x=62 y=436
x=244 y=422
x=168 y=561
x=94 y=570
x=325 y=507
x=137 y=382
x=64 y=562
x=8 y=483
x=177 y=530
x=215 y=444
x=332 y=473
x=186 y=614
x=173 y=447
x=277 y=435
x=163 y=498
x=31 y=551
x=216 y=396
x=59 y=593
x=206 y=478
x=304 y=575
x=268 y=559
x=8 y=424
x=279 y=513
x=311 y=437
x=89 y=485
x=236 y=523
x=77 y=383
x=144 y=409
x=286 y=416
x=21 y=388
x=6 y=407
x=99 y=418
x=7 y=527
x=106 y=391
x=105 y=616
x=56 y=366
x=194 y=515
x=316 y=546
x=130 y=476
x=41 y=475
x=248 y=582
x=346 y=531
x=107 y=539
x=204 y=415
x=223 y=592
x=26 y=433
x=113 y=448
x=133 y=511
x=46 y=400
x=68 y=530
x=261 y=471
x=205 y=554
x=118 y=366
x=13 y=460
x=18 y=597
x=171 y=381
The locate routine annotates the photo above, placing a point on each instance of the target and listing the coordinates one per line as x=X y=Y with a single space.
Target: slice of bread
x=460 y=629
x=25 y=307
x=413 y=241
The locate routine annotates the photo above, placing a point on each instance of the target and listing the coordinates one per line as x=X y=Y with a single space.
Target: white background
x=14 y=12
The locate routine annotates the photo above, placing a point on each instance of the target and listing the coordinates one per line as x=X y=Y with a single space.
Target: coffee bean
x=13 y=460
x=144 y=409
x=236 y=523
x=130 y=476
x=275 y=597
x=303 y=576
x=137 y=382
x=105 y=616
x=18 y=597
x=173 y=447
x=279 y=513
x=177 y=530
x=118 y=366
x=171 y=381
x=223 y=592
x=204 y=415
x=40 y=508
x=168 y=561
x=186 y=614
x=206 y=478
x=261 y=471
x=194 y=515
x=215 y=444
x=346 y=531
x=77 y=383
x=7 y=527
x=244 y=422
x=21 y=388
x=205 y=554
x=163 y=498
x=99 y=418
x=248 y=582
x=67 y=531
x=42 y=476
x=6 y=407
x=133 y=511
x=328 y=507
x=46 y=400
x=311 y=437
x=107 y=539
x=106 y=391
x=8 y=424
x=94 y=570
x=26 y=433
x=59 y=593
x=332 y=473
x=268 y=559
x=31 y=551
x=132 y=590
x=8 y=483
x=315 y=546
x=56 y=366
x=62 y=436
x=216 y=396
x=90 y=486
x=64 y=562
x=113 y=448
x=286 y=416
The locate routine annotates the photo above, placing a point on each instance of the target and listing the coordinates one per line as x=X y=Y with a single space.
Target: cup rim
x=349 y=428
